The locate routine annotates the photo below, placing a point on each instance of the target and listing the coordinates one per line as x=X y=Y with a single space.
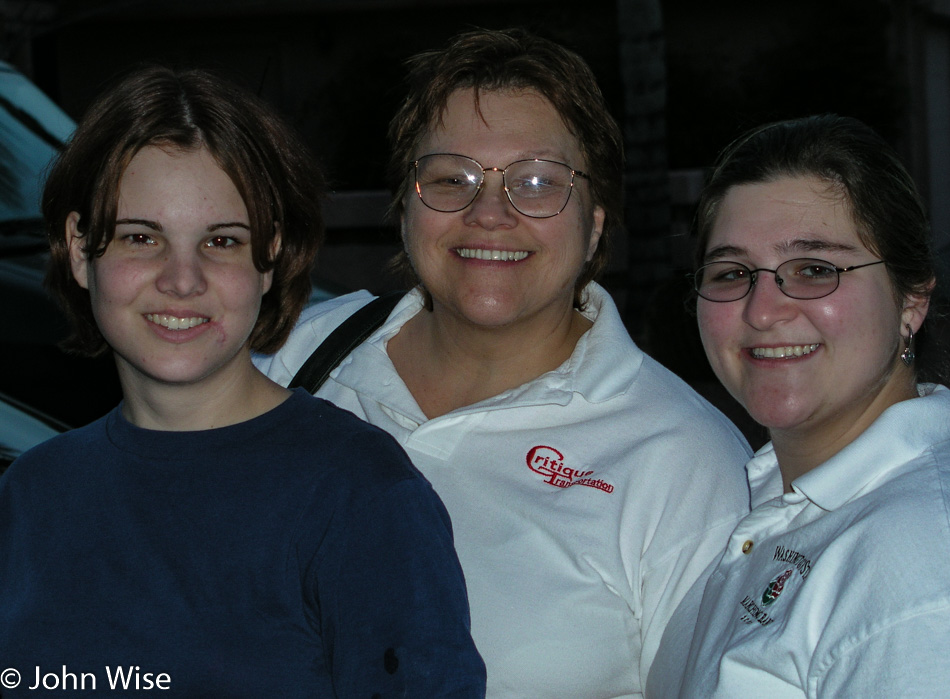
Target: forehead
x=502 y=124
x=783 y=216
x=169 y=180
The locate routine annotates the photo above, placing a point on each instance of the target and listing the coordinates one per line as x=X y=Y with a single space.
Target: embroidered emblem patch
x=754 y=609
x=549 y=462
x=775 y=588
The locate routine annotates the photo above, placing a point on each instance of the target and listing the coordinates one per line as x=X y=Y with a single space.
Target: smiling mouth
x=173 y=323
x=491 y=255
x=787 y=352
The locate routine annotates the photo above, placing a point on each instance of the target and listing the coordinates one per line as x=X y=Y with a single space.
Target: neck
x=448 y=364
x=805 y=447
x=217 y=401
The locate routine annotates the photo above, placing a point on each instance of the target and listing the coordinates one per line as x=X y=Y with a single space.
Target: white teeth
x=493 y=255
x=782 y=352
x=173 y=323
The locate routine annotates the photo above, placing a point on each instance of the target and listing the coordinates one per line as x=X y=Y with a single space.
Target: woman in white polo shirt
x=814 y=283
x=588 y=486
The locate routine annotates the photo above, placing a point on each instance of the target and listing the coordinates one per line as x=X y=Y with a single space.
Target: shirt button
x=747 y=546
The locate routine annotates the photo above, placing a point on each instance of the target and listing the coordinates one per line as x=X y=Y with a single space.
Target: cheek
x=113 y=282
x=244 y=286
x=420 y=233
x=568 y=243
x=853 y=320
x=583 y=229
x=715 y=325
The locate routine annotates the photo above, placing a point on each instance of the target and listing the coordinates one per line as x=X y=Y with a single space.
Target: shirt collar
x=603 y=364
x=605 y=361
x=765 y=479
x=899 y=435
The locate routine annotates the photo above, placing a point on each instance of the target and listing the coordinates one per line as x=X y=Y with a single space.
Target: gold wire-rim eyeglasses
x=471 y=189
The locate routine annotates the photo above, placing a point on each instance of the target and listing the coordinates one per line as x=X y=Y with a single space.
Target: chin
x=172 y=373
x=778 y=417
x=489 y=321
x=776 y=405
x=488 y=311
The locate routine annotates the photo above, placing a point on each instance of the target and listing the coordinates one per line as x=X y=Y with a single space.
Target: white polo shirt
x=584 y=503
x=840 y=588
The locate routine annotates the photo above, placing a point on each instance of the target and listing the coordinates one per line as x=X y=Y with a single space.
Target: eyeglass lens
x=804 y=278
x=537 y=188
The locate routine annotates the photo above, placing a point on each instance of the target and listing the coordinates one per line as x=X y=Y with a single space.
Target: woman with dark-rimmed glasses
x=814 y=285
x=588 y=487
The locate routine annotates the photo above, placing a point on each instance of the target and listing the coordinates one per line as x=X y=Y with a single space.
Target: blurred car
x=22 y=427
x=33 y=370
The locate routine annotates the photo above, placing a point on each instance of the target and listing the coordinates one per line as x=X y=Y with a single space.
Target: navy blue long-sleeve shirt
x=298 y=554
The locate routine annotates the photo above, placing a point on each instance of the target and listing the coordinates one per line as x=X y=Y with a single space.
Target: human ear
x=597 y=230
x=78 y=259
x=915 y=306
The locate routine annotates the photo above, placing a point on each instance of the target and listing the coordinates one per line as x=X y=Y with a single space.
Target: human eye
x=222 y=242
x=138 y=239
x=533 y=186
x=447 y=174
x=451 y=181
x=726 y=273
x=813 y=270
x=538 y=179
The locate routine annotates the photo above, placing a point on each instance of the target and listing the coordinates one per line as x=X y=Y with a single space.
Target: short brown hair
x=514 y=59
x=268 y=164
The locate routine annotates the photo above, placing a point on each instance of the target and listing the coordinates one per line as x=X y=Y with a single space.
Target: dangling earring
x=908 y=356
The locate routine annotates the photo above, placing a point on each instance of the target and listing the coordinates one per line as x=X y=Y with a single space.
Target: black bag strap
x=343 y=340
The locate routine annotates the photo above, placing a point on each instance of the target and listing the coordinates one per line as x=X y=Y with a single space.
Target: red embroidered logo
x=775 y=587
x=549 y=462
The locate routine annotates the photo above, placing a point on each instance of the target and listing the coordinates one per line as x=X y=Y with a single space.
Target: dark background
x=683 y=77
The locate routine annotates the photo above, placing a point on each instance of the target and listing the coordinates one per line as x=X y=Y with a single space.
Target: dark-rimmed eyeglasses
x=448 y=183
x=801 y=278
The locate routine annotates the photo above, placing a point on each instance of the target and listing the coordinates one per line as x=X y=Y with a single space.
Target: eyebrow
x=799 y=245
x=539 y=154
x=543 y=154
x=814 y=245
x=156 y=226
x=721 y=251
x=229 y=224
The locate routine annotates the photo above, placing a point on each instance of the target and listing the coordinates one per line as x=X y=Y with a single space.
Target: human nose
x=765 y=303
x=181 y=274
x=491 y=207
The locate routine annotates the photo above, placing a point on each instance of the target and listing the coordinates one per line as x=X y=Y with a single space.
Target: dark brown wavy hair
x=269 y=165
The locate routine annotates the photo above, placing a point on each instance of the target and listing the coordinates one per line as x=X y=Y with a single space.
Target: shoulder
x=664 y=401
x=314 y=325
x=654 y=418
x=309 y=430
x=69 y=442
x=611 y=365
x=52 y=460
x=329 y=314
x=908 y=452
x=887 y=551
x=920 y=493
x=899 y=525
